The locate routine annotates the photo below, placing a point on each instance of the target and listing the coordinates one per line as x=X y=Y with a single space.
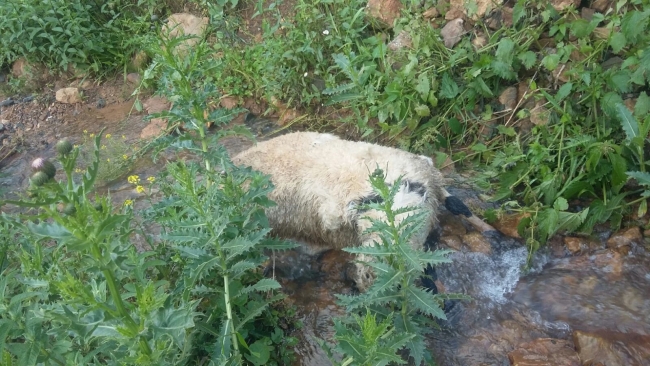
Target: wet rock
x=180 y=24
x=156 y=104
x=612 y=348
x=507 y=224
x=2 y=125
x=431 y=13
x=563 y=4
x=509 y=98
x=133 y=78
x=101 y=103
x=477 y=243
x=452 y=226
x=68 y=95
x=622 y=240
x=384 y=11
x=403 y=40
x=574 y=245
x=28 y=99
x=155 y=128
x=452 y=242
x=452 y=32
x=545 y=352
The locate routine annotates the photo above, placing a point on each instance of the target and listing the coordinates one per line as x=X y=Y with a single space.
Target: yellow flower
x=139 y=189
x=151 y=179
x=123 y=137
x=128 y=202
x=108 y=160
x=75 y=146
x=133 y=179
x=85 y=132
x=125 y=157
x=108 y=135
x=77 y=170
x=92 y=135
x=103 y=147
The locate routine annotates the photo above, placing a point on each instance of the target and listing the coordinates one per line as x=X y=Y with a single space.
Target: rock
x=22 y=68
x=2 y=125
x=68 y=95
x=384 y=11
x=479 y=42
x=452 y=32
x=539 y=115
x=509 y=98
x=574 y=245
x=156 y=104
x=155 y=128
x=133 y=78
x=507 y=224
x=545 y=352
x=284 y=113
x=403 y=40
x=454 y=13
x=452 y=226
x=622 y=240
x=7 y=102
x=612 y=348
x=28 y=99
x=587 y=13
x=602 y=6
x=482 y=7
x=560 y=5
x=180 y=24
x=501 y=18
x=101 y=103
x=608 y=260
x=228 y=102
x=477 y=243
x=452 y=242
x=431 y=13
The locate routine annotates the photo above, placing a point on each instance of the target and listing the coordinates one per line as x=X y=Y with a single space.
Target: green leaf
x=528 y=59
x=619 y=169
x=422 y=110
x=423 y=301
x=503 y=69
x=617 y=42
x=633 y=24
x=260 y=352
x=551 y=61
x=628 y=122
x=505 y=49
x=643 y=178
x=642 y=106
x=423 y=86
x=563 y=92
x=50 y=230
x=561 y=204
x=449 y=88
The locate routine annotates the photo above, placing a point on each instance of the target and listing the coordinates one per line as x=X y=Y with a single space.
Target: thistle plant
x=396 y=299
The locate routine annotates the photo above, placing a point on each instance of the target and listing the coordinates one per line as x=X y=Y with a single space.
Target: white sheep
x=320 y=180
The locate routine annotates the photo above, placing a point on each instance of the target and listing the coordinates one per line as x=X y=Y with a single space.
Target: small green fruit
x=39 y=178
x=63 y=147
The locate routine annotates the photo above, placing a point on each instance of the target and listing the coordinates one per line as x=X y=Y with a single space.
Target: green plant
x=83 y=34
x=395 y=298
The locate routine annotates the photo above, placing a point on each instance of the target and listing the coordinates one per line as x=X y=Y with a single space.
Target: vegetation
x=76 y=288
x=406 y=311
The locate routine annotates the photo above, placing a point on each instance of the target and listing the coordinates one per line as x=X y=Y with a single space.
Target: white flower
x=326 y=32
x=306 y=74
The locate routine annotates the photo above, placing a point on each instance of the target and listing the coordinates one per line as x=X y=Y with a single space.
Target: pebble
x=2 y=127
x=101 y=103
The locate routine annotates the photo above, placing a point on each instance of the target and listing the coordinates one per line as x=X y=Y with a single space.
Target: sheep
x=321 y=180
